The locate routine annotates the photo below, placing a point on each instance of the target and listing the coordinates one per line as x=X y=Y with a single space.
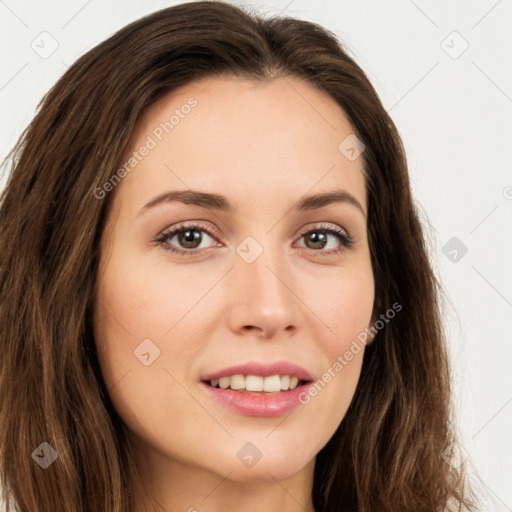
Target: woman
x=216 y=293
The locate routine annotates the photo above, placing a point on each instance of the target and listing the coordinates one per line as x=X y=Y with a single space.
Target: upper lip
x=262 y=370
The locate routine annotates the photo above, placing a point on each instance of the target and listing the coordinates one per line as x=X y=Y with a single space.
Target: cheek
x=344 y=304
x=133 y=312
x=148 y=301
x=141 y=309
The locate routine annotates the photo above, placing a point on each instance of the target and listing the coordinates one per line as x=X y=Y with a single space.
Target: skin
x=264 y=146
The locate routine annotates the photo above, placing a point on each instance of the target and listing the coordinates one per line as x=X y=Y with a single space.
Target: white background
x=454 y=113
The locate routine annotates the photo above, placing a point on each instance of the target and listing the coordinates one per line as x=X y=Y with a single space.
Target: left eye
x=319 y=238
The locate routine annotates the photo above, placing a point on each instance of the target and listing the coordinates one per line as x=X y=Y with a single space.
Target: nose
x=261 y=297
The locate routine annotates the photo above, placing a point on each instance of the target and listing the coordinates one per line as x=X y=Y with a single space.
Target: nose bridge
x=260 y=261
x=262 y=285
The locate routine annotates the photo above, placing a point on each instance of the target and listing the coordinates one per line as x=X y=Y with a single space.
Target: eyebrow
x=219 y=202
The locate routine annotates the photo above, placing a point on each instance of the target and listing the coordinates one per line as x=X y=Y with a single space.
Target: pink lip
x=262 y=370
x=257 y=404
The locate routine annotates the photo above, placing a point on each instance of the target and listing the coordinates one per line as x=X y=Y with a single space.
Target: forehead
x=250 y=137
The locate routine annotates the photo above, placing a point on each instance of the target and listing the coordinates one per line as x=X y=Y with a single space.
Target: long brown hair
x=386 y=455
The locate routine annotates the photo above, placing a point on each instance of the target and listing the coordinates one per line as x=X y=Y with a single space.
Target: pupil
x=190 y=237
x=318 y=238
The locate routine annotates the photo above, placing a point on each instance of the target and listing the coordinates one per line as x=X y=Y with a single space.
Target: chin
x=266 y=469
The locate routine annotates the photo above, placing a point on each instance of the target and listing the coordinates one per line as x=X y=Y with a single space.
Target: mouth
x=257 y=385
x=259 y=389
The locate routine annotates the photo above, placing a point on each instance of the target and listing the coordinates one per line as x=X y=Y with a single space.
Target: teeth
x=224 y=382
x=255 y=383
x=272 y=384
x=237 y=382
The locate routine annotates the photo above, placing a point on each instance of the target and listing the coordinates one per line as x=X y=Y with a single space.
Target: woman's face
x=257 y=279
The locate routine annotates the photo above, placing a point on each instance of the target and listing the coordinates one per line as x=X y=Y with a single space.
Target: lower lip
x=256 y=404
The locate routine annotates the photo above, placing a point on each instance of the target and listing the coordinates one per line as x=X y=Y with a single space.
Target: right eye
x=188 y=236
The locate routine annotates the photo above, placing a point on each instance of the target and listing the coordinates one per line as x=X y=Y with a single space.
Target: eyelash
x=342 y=235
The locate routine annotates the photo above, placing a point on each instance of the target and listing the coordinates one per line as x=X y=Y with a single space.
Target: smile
x=257 y=384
